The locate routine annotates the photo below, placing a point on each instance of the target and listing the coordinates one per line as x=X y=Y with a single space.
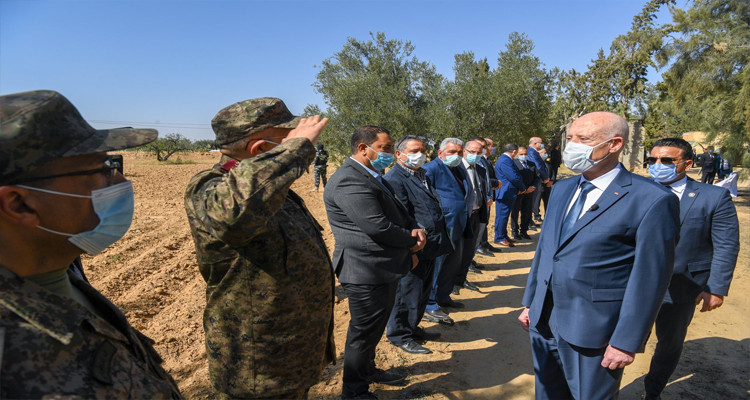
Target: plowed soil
x=152 y=275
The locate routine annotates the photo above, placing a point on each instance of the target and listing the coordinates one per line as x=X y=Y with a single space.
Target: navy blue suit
x=604 y=282
x=505 y=197
x=705 y=261
x=456 y=200
x=413 y=290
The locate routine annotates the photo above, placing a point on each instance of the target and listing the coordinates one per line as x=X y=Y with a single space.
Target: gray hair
x=401 y=143
x=450 y=140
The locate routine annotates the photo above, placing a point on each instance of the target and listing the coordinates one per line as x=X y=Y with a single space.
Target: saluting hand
x=309 y=128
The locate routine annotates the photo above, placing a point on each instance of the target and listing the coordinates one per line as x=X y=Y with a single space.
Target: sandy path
x=152 y=275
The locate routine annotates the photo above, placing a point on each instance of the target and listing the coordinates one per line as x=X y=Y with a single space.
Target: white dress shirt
x=600 y=185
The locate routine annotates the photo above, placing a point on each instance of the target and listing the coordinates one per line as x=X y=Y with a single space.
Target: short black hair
x=510 y=147
x=401 y=143
x=687 y=149
x=367 y=135
x=479 y=139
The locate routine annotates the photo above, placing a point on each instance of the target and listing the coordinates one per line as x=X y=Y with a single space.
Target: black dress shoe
x=475 y=270
x=438 y=316
x=471 y=287
x=451 y=303
x=456 y=290
x=532 y=228
x=421 y=334
x=386 y=378
x=526 y=236
x=517 y=237
x=484 y=252
x=476 y=265
x=410 y=346
x=491 y=248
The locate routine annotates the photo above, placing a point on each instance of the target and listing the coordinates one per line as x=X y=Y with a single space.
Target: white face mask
x=576 y=156
x=114 y=207
x=415 y=160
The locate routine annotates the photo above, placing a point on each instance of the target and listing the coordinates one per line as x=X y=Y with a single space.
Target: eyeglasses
x=109 y=171
x=664 y=160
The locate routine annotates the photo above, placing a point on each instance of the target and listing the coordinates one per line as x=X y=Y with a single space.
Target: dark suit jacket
x=484 y=189
x=371 y=227
x=487 y=164
x=454 y=201
x=508 y=174
x=423 y=205
x=709 y=243
x=608 y=277
x=541 y=167
x=528 y=174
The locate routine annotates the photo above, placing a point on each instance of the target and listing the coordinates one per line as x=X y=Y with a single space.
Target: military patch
x=103 y=362
x=229 y=165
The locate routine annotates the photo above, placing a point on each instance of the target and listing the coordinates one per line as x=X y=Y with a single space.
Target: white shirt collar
x=602 y=182
x=375 y=174
x=678 y=188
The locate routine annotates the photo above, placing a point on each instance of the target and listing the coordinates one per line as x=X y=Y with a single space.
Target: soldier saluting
x=269 y=295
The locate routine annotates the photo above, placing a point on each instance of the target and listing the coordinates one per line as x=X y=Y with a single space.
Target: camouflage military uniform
x=320 y=166
x=52 y=346
x=269 y=295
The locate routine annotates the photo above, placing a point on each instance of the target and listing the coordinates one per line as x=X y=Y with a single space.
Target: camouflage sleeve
x=236 y=207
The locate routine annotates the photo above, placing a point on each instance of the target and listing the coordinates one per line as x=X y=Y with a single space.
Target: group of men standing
x=404 y=242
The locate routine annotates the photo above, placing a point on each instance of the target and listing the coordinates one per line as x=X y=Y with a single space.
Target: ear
x=362 y=149
x=616 y=144
x=17 y=207
x=253 y=147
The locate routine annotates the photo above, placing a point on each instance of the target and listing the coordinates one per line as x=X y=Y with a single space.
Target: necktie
x=575 y=211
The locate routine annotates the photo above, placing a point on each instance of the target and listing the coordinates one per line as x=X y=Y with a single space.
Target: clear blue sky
x=171 y=65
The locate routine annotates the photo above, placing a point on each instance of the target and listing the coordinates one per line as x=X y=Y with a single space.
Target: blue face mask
x=472 y=158
x=523 y=158
x=114 y=207
x=452 y=160
x=663 y=173
x=382 y=161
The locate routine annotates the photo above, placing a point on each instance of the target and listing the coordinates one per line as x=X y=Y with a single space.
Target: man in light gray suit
x=376 y=242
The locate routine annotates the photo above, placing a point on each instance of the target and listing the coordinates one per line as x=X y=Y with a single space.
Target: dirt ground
x=153 y=276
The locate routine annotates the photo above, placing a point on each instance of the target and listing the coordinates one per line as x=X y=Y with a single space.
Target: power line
x=184 y=125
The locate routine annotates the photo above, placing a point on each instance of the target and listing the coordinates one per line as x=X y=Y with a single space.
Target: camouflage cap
x=250 y=116
x=39 y=126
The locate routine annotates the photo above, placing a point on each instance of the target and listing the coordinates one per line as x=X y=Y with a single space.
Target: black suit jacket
x=484 y=211
x=424 y=205
x=529 y=174
x=371 y=227
x=487 y=164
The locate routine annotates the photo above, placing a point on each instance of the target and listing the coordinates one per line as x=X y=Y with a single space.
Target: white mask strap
x=82 y=196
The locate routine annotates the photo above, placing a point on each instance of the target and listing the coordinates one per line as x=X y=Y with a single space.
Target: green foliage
x=380 y=82
x=376 y=82
x=165 y=146
x=707 y=84
x=203 y=145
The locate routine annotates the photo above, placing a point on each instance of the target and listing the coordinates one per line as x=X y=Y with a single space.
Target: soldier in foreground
x=269 y=295
x=60 y=196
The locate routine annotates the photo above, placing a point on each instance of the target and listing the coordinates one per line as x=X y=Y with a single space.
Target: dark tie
x=575 y=211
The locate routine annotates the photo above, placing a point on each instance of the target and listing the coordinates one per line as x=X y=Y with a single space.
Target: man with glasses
x=705 y=255
x=269 y=294
x=60 y=196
